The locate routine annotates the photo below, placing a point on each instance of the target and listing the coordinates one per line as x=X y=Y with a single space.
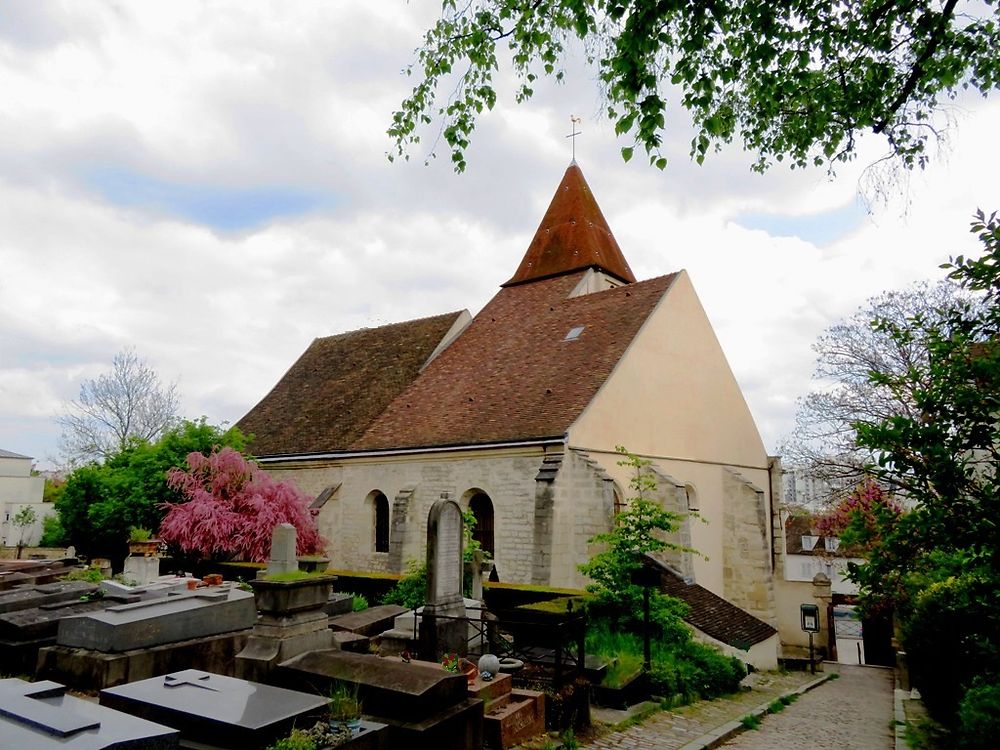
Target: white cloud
x=222 y=98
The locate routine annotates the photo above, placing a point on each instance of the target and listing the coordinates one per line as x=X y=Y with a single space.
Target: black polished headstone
x=215 y=710
x=39 y=716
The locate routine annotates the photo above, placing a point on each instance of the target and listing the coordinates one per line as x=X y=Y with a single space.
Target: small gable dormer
x=574 y=236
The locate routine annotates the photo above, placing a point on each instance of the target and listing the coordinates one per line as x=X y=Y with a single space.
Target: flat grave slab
x=40 y=716
x=369 y=622
x=43 y=621
x=407 y=691
x=29 y=596
x=216 y=710
x=158 y=621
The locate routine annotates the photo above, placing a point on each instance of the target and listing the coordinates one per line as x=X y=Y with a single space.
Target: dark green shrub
x=979 y=718
x=951 y=639
x=411 y=591
x=53 y=534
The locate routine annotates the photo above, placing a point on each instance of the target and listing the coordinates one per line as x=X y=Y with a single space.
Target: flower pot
x=146 y=548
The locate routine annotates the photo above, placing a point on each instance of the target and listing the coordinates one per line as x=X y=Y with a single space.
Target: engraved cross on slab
x=22 y=702
x=189 y=677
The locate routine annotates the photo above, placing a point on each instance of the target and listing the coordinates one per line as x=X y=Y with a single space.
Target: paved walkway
x=853 y=712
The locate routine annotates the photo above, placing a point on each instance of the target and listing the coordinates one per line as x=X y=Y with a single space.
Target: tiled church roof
x=339 y=385
x=512 y=375
x=573 y=235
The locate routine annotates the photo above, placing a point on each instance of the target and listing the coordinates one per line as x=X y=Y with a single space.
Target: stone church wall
x=746 y=571
x=411 y=485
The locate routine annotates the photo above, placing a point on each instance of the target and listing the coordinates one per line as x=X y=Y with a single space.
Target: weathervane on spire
x=576 y=121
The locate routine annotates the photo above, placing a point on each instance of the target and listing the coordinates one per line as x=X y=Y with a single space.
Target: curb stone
x=730 y=729
x=899 y=716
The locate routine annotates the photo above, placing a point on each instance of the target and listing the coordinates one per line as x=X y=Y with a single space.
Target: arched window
x=482 y=508
x=619 y=505
x=380 y=509
x=692 y=497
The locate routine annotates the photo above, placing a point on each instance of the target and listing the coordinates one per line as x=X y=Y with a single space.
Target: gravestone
x=442 y=624
x=40 y=716
x=283 y=558
x=142 y=570
x=154 y=622
x=292 y=618
x=217 y=711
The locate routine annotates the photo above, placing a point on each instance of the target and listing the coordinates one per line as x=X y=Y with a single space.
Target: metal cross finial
x=576 y=121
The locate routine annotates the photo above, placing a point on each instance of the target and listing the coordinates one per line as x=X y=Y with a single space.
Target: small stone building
x=516 y=414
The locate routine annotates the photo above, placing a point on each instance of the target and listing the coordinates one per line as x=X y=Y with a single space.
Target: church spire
x=573 y=236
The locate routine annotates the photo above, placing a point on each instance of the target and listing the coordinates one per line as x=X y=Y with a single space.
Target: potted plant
x=344 y=705
x=142 y=543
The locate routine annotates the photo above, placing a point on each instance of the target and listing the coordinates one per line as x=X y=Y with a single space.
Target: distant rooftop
x=10 y=454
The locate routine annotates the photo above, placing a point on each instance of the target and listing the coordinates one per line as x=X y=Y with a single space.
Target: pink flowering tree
x=861 y=517
x=231 y=506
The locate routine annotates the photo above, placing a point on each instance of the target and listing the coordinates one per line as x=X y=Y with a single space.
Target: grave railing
x=552 y=640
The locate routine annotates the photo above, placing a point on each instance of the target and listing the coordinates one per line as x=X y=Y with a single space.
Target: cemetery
x=179 y=661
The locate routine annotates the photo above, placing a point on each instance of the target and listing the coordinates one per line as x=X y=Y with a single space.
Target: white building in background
x=19 y=489
x=799 y=487
x=808 y=553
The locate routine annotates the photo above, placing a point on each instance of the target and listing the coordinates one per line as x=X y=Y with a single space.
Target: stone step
x=521 y=717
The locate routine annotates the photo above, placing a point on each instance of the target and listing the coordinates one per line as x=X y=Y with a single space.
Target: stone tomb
x=510 y=717
x=424 y=705
x=154 y=622
x=23 y=632
x=204 y=628
x=30 y=596
x=39 y=716
x=214 y=711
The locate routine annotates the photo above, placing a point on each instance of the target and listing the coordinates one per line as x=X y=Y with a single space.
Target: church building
x=516 y=414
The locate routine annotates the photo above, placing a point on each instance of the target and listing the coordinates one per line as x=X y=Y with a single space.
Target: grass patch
x=776 y=706
x=625 y=666
x=789 y=699
x=558 y=606
x=296 y=575
x=750 y=722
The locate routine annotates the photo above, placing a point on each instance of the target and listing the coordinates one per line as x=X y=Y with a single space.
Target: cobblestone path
x=853 y=712
x=669 y=730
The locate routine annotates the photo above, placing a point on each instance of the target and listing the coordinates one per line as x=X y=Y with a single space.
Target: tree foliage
x=129 y=403
x=229 y=507
x=824 y=441
x=638 y=530
x=939 y=563
x=100 y=502
x=797 y=81
x=860 y=517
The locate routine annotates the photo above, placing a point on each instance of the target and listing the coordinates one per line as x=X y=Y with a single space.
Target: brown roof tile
x=511 y=375
x=710 y=613
x=573 y=235
x=339 y=385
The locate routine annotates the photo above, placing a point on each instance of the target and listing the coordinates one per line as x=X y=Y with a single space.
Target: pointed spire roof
x=573 y=235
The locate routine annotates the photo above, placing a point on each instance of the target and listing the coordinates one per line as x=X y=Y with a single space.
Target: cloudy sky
x=207 y=182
